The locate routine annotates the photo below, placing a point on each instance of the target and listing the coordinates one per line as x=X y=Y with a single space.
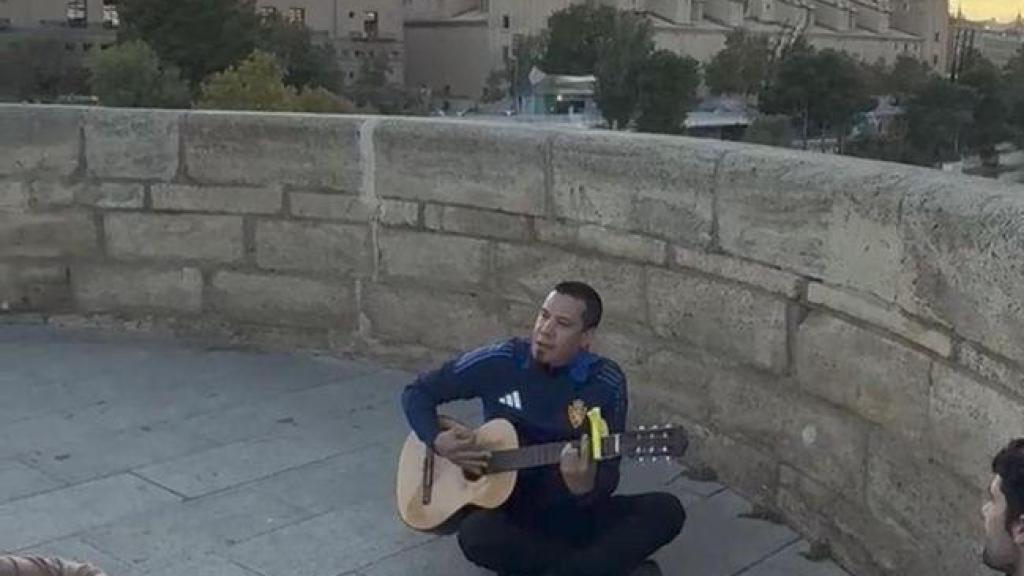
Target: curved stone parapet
x=845 y=338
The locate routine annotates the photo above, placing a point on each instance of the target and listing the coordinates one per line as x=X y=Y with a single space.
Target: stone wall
x=844 y=338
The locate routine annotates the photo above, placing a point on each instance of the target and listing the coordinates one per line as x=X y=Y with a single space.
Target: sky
x=1004 y=10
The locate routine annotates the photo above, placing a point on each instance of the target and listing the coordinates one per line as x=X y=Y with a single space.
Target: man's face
x=558 y=333
x=1001 y=552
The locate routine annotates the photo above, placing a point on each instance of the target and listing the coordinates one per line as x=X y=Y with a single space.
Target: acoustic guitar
x=433 y=493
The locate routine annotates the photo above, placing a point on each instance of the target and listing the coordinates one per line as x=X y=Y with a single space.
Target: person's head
x=565 y=323
x=1003 y=510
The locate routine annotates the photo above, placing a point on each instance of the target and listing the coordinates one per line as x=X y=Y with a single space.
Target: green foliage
x=576 y=38
x=41 y=70
x=618 y=67
x=494 y=86
x=199 y=37
x=772 y=130
x=305 y=63
x=937 y=122
x=130 y=75
x=668 y=91
x=908 y=77
x=321 y=100
x=373 y=91
x=742 y=67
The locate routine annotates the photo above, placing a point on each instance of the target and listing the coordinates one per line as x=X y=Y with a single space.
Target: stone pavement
x=150 y=457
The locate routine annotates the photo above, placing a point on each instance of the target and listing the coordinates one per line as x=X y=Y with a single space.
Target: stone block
x=174 y=237
x=345 y=207
x=652 y=185
x=903 y=488
x=678 y=380
x=825 y=443
x=473 y=222
x=876 y=312
x=970 y=422
x=444 y=321
x=42 y=140
x=527 y=274
x=821 y=216
x=962 y=242
x=14 y=195
x=312 y=247
x=743 y=271
x=462 y=163
x=110 y=195
x=747 y=404
x=231 y=200
x=127 y=143
x=745 y=467
x=604 y=240
x=265 y=299
x=314 y=151
x=399 y=213
x=116 y=289
x=47 y=235
x=440 y=258
x=719 y=316
x=879 y=379
x=33 y=287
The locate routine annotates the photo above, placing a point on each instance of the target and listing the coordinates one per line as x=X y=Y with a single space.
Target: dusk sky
x=984 y=9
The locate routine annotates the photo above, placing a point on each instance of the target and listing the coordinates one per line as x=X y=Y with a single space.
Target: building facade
x=996 y=41
x=83 y=25
x=454 y=44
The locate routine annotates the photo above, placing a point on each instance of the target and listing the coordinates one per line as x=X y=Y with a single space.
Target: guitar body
x=451 y=493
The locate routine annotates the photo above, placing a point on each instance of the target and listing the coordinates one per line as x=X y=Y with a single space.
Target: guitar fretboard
x=542 y=455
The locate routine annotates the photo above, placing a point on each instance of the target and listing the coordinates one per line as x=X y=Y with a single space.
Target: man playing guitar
x=562 y=521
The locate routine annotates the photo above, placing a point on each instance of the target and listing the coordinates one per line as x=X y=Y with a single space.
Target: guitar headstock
x=653 y=443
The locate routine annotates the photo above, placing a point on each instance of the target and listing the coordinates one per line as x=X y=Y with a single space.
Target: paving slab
x=152 y=457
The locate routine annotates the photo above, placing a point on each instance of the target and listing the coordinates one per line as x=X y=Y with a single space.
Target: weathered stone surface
x=827 y=444
x=963 y=239
x=313 y=247
x=179 y=237
x=262 y=149
x=486 y=223
x=399 y=213
x=876 y=312
x=745 y=467
x=527 y=273
x=14 y=195
x=821 y=216
x=719 y=316
x=47 y=235
x=992 y=368
x=231 y=200
x=116 y=289
x=110 y=195
x=33 y=287
x=970 y=422
x=680 y=379
x=47 y=194
x=39 y=139
x=126 y=143
x=440 y=258
x=284 y=300
x=604 y=240
x=747 y=404
x=654 y=185
x=879 y=379
x=462 y=163
x=903 y=487
x=444 y=321
x=746 y=272
x=345 y=207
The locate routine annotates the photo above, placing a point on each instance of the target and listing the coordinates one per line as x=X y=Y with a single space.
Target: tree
x=527 y=52
x=795 y=85
x=1013 y=75
x=576 y=37
x=41 y=69
x=937 y=121
x=130 y=75
x=494 y=86
x=668 y=91
x=990 y=116
x=255 y=84
x=908 y=77
x=305 y=62
x=742 y=67
x=199 y=37
x=374 y=91
x=618 y=67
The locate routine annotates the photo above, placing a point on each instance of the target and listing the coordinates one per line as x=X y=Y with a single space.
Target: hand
x=579 y=470
x=458 y=445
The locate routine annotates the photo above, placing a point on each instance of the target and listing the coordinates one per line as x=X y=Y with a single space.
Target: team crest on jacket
x=577 y=413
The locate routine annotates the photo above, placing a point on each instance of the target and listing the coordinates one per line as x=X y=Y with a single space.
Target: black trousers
x=610 y=538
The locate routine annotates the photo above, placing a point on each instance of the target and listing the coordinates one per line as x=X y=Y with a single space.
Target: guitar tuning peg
x=642 y=428
x=641 y=459
x=664 y=448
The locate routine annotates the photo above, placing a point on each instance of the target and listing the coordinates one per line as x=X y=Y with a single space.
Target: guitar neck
x=544 y=455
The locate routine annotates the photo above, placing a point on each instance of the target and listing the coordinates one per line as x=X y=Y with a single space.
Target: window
x=504 y=53
x=110 y=17
x=76 y=12
x=351 y=14
x=935 y=60
x=371 y=23
x=296 y=14
x=506 y=21
x=267 y=12
x=936 y=36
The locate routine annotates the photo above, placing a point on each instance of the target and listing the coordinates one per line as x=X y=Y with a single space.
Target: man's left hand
x=578 y=469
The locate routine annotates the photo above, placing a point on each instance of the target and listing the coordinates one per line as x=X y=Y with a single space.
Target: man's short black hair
x=591 y=300
x=1009 y=465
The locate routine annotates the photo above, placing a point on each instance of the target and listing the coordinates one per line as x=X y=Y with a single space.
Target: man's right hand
x=458 y=444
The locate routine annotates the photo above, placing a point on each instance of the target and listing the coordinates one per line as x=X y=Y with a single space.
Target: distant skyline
x=1003 y=10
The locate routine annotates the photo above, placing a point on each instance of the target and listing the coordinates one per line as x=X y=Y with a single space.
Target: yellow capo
x=598 y=430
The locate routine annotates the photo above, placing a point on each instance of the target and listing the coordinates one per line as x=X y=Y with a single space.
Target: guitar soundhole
x=471 y=477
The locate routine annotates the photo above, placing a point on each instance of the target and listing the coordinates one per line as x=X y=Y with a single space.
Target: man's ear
x=1017 y=531
x=588 y=339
